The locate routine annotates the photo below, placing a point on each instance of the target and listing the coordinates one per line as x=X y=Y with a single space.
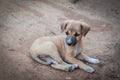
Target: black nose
x=71 y=41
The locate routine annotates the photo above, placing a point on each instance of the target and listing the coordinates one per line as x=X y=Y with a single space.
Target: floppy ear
x=63 y=25
x=84 y=29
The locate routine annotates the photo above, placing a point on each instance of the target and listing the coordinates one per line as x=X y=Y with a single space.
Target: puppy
x=64 y=52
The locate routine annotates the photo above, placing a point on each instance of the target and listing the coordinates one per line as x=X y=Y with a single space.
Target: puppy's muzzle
x=71 y=41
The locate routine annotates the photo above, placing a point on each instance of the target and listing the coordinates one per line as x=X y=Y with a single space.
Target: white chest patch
x=76 y=52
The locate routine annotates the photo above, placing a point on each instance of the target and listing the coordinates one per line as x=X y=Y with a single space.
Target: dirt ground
x=23 y=21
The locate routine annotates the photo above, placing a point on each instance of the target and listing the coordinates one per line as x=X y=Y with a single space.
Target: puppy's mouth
x=71 y=41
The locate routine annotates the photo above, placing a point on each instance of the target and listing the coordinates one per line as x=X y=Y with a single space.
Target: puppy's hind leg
x=37 y=59
x=60 y=64
x=57 y=63
x=48 y=59
x=68 y=68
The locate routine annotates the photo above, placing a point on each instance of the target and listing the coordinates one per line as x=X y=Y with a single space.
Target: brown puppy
x=64 y=52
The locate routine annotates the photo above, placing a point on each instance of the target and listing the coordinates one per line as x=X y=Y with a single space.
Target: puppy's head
x=74 y=31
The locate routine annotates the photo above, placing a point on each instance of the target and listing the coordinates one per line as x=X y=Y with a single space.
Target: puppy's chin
x=71 y=44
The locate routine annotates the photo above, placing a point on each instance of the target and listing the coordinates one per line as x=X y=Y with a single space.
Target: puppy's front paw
x=90 y=70
x=93 y=60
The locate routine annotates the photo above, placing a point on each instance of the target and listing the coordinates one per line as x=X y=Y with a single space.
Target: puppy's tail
x=37 y=58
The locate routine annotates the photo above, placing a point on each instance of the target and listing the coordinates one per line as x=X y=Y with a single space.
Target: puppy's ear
x=63 y=25
x=84 y=29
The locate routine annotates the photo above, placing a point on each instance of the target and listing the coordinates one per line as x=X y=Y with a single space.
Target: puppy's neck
x=79 y=43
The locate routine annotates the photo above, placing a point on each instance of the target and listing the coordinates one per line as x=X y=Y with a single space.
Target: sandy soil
x=23 y=21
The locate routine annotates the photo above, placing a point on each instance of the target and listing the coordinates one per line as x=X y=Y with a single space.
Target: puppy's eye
x=76 y=34
x=67 y=33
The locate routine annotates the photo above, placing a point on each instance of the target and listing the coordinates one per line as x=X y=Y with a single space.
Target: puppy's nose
x=69 y=41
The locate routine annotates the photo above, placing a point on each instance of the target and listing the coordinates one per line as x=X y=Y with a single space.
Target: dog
x=64 y=52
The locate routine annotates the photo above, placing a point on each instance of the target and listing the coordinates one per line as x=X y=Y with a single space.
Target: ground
x=23 y=21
